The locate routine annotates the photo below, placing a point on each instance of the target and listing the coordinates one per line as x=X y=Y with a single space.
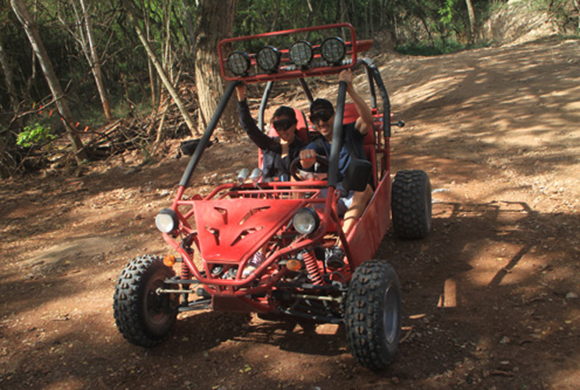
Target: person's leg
x=356 y=209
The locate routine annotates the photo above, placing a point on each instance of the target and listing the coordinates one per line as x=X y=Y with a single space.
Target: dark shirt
x=352 y=140
x=273 y=164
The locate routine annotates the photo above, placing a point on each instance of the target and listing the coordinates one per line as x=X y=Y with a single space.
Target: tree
x=471 y=15
x=8 y=78
x=41 y=54
x=6 y=162
x=83 y=34
x=88 y=45
x=215 y=21
x=188 y=24
x=160 y=71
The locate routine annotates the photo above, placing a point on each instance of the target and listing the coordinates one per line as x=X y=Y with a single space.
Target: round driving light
x=306 y=220
x=301 y=53
x=268 y=58
x=333 y=50
x=239 y=63
x=166 y=221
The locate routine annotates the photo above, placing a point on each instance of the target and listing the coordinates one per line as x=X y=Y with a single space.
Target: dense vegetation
x=82 y=36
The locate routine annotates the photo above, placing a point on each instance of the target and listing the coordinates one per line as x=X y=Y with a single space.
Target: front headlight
x=306 y=220
x=166 y=221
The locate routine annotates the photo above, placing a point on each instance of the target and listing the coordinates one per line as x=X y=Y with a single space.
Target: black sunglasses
x=283 y=124
x=322 y=115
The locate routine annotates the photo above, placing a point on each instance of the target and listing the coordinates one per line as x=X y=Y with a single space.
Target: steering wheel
x=296 y=162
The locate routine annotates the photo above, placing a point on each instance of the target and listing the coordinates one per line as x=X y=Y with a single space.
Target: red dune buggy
x=295 y=223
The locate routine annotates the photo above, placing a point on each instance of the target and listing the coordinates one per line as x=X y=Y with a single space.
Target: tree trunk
x=471 y=15
x=44 y=60
x=189 y=25
x=8 y=79
x=6 y=162
x=6 y=165
x=95 y=64
x=160 y=71
x=215 y=22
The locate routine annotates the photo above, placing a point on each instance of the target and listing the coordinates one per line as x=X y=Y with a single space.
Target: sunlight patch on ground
x=327 y=329
x=449 y=296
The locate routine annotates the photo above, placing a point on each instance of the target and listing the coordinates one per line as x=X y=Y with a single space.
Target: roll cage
x=382 y=128
x=372 y=225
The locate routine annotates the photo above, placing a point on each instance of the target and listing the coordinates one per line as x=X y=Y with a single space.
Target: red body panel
x=373 y=224
x=232 y=229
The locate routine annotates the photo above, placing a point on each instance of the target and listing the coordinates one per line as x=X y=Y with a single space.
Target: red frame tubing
x=226 y=286
x=231 y=294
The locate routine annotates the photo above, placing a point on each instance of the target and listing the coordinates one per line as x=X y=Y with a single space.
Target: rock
x=571 y=295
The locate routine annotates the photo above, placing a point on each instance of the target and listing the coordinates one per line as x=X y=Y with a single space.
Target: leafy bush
x=34 y=135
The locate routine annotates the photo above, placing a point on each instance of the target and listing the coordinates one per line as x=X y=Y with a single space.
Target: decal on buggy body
x=231 y=229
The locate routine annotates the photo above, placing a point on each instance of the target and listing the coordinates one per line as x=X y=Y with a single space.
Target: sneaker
x=333 y=257
x=254 y=263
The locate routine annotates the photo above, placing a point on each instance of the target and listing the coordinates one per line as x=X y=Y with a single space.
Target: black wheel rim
x=390 y=315
x=156 y=305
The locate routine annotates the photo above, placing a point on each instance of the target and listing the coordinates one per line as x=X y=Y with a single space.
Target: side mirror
x=357 y=175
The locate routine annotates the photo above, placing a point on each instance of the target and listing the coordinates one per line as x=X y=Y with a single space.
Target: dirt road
x=491 y=298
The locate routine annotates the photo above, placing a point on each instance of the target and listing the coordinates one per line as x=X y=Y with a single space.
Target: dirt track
x=490 y=298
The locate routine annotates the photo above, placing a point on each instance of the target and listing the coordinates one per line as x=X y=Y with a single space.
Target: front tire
x=373 y=314
x=411 y=204
x=142 y=316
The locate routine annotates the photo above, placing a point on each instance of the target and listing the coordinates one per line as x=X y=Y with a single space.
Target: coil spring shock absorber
x=312 y=266
x=185 y=271
x=185 y=274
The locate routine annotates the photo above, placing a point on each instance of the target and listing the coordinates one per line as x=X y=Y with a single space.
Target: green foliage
x=447 y=12
x=34 y=135
x=422 y=27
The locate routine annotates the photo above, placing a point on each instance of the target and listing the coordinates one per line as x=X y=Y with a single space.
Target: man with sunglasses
x=322 y=116
x=278 y=151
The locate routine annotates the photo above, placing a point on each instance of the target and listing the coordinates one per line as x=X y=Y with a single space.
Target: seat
x=351 y=115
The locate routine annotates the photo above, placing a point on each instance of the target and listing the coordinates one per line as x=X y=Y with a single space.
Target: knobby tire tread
x=411 y=204
x=126 y=301
x=364 y=314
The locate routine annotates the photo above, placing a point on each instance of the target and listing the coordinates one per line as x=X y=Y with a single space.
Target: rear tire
x=411 y=204
x=142 y=316
x=373 y=314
